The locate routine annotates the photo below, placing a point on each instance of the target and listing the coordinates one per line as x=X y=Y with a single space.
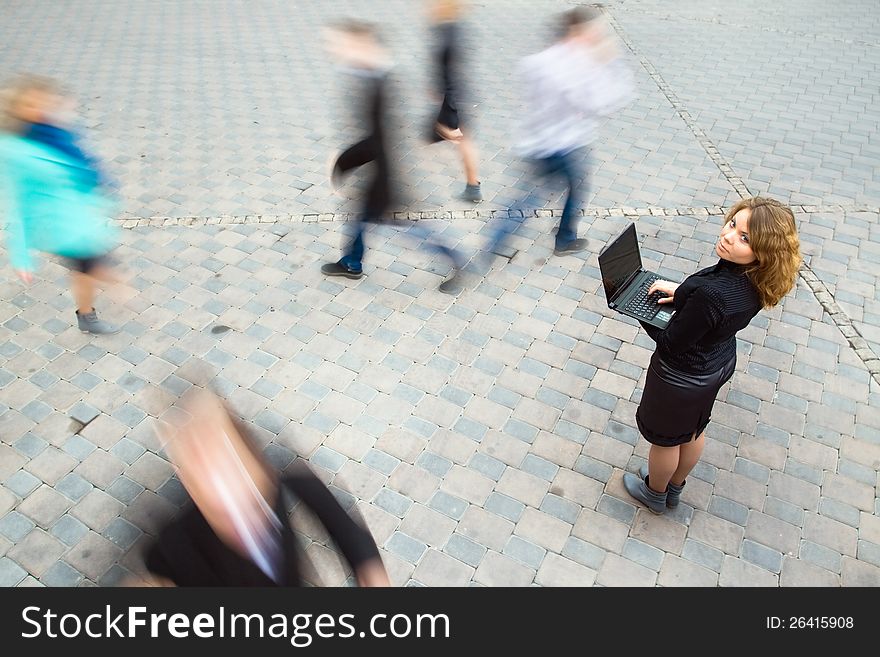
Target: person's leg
x=83 y=284
x=82 y=287
x=662 y=463
x=688 y=457
x=572 y=166
x=354 y=253
x=469 y=160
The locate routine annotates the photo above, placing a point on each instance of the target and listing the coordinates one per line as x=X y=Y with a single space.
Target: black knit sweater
x=710 y=307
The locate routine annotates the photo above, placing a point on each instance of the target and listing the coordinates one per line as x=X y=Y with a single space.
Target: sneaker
x=572 y=247
x=89 y=323
x=472 y=193
x=338 y=269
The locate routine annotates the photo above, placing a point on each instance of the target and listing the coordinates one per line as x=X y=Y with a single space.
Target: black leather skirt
x=676 y=406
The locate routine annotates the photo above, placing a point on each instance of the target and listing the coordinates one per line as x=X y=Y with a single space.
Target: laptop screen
x=619 y=260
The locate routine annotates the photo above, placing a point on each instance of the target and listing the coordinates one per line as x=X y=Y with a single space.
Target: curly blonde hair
x=774 y=240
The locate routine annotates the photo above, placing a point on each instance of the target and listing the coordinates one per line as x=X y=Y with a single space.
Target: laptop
x=626 y=282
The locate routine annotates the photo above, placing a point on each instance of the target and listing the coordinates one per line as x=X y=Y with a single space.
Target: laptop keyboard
x=643 y=305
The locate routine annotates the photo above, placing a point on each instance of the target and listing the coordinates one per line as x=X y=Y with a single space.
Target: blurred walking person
x=54 y=197
x=357 y=46
x=236 y=531
x=447 y=27
x=567 y=87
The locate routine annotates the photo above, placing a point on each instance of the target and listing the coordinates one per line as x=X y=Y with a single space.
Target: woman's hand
x=666 y=288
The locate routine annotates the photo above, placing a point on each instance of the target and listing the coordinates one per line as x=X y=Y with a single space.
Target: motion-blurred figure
x=357 y=47
x=581 y=77
x=446 y=18
x=236 y=532
x=55 y=198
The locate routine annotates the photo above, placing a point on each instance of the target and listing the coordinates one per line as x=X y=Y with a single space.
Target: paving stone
x=44 y=506
x=858 y=573
x=796 y=572
x=60 y=574
x=36 y=552
x=499 y=570
x=700 y=553
x=830 y=533
x=820 y=555
x=618 y=571
x=11 y=574
x=736 y=572
x=600 y=530
x=559 y=571
x=465 y=550
x=439 y=569
x=676 y=571
x=93 y=556
x=406 y=547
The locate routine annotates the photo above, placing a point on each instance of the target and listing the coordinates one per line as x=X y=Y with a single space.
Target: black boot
x=673 y=492
x=639 y=489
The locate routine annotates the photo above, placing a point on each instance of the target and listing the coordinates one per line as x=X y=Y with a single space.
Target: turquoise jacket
x=48 y=205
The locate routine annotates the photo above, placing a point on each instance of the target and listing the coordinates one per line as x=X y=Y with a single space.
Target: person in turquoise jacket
x=53 y=197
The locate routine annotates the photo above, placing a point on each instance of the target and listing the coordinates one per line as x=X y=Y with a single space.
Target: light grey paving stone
x=123 y=489
x=15 y=526
x=36 y=552
x=702 y=554
x=465 y=550
x=504 y=506
x=524 y=551
x=69 y=530
x=61 y=574
x=405 y=547
x=439 y=569
x=498 y=570
x=22 y=483
x=452 y=506
x=392 y=502
x=44 y=506
x=676 y=571
x=762 y=556
x=618 y=571
x=643 y=554
x=11 y=574
x=796 y=572
x=122 y=533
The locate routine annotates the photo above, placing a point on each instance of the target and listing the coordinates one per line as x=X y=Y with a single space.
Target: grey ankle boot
x=673 y=492
x=89 y=323
x=638 y=488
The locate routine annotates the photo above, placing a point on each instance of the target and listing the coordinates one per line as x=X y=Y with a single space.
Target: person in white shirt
x=567 y=86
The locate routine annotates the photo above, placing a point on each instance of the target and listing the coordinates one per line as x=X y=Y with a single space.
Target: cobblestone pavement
x=483 y=437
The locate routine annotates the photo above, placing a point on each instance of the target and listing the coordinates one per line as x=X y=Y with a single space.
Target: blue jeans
x=354 y=253
x=570 y=167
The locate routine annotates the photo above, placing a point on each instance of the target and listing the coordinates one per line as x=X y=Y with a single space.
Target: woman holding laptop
x=759 y=256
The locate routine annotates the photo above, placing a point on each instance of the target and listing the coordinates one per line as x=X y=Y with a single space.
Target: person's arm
x=355 y=541
x=16 y=236
x=697 y=316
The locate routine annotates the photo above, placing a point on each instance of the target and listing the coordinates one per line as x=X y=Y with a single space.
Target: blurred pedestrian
x=447 y=26
x=236 y=531
x=56 y=199
x=759 y=256
x=357 y=46
x=579 y=78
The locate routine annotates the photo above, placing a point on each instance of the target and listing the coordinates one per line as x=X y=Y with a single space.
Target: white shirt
x=565 y=90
